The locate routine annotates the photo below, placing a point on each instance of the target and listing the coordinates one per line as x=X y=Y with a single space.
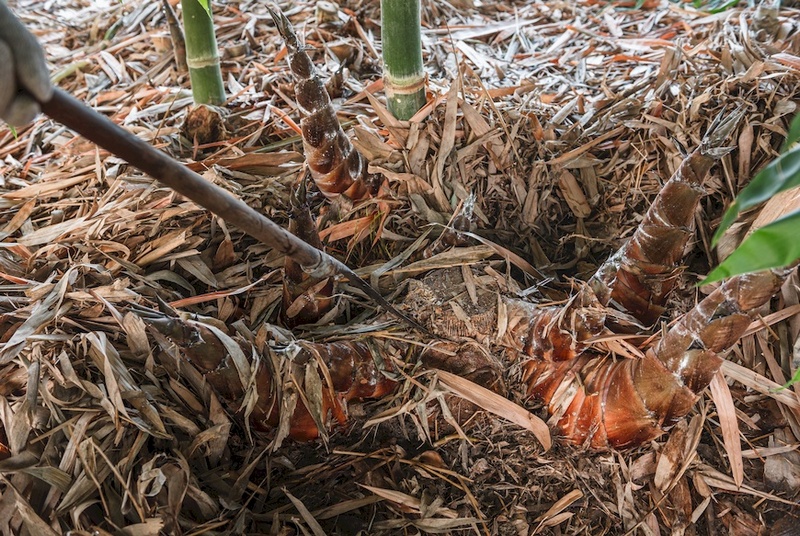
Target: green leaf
x=720 y=8
x=772 y=246
x=793 y=135
x=206 y=5
x=795 y=379
x=715 y=6
x=781 y=174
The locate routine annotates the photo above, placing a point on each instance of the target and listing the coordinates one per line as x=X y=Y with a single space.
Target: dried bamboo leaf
x=42 y=314
x=150 y=527
x=238 y=357
x=33 y=522
x=346 y=506
x=573 y=194
x=713 y=478
x=122 y=387
x=496 y=404
x=409 y=502
x=46 y=187
x=481 y=128
x=761 y=384
x=313 y=524
x=559 y=506
x=729 y=424
x=22 y=214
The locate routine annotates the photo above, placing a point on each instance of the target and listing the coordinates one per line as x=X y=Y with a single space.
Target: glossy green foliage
x=780 y=175
x=773 y=245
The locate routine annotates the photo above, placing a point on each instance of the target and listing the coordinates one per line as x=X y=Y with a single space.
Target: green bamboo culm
x=201 y=53
x=401 y=39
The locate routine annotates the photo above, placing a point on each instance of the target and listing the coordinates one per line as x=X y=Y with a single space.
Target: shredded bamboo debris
x=557 y=122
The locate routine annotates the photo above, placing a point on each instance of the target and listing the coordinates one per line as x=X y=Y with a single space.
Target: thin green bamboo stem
x=401 y=39
x=201 y=54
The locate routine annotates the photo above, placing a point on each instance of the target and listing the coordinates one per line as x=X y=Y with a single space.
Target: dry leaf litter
x=562 y=119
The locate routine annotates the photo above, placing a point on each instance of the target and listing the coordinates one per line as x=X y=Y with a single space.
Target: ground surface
x=562 y=118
